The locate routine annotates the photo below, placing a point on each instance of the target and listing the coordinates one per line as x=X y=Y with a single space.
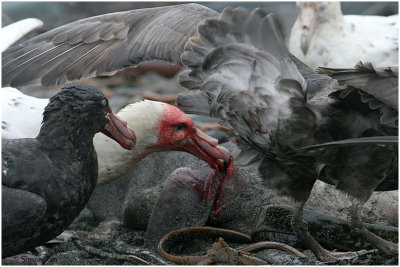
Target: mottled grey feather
x=240 y=64
x=378 y=87
x=381 y=83
x=102 y=45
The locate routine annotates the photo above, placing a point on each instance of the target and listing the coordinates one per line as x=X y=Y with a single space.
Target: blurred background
x=54 y=14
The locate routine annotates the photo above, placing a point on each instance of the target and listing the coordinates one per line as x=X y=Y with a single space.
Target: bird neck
x=115 y=161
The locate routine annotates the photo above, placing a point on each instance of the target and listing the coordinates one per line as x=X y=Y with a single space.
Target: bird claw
x=331 y=257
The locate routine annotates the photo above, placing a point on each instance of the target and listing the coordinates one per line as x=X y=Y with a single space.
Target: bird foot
x=62 y=238
x=381 y=244
x=355 y=223
x=389 y=248
x=331 y=257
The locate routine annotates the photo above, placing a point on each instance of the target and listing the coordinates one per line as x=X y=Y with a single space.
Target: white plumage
x=13 y=32
x=323 y=37
x=21 y=114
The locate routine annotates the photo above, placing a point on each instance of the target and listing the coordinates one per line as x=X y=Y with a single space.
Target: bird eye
x=180 y=126
x=104 y=102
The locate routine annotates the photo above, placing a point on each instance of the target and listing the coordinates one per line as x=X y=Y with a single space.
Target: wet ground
x=111 y=243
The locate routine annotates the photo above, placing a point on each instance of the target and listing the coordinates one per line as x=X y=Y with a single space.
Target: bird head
x=80 y=111
x=176 y=131
x=311 y=15
x=169 y=129
x=159 y=127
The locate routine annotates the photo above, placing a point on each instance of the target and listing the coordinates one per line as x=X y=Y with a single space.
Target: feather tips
x=127 y=37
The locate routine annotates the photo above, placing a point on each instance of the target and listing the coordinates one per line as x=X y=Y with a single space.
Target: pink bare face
x=177 y=132
x=175 y=126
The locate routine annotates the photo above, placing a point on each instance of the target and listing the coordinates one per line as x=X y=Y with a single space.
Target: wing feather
x=128 y=37
x=381 y=83
x=378 y=87
x=240 y=72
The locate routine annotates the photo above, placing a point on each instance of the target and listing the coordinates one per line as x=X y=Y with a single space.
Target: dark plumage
x=298 y=125
x=377 y=87
x=276 y=106
x=47 y=180
x=373 y=94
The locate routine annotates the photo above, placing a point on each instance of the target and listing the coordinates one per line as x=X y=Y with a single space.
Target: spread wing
x=240 y=72
x=378 y=87
x=102 y=45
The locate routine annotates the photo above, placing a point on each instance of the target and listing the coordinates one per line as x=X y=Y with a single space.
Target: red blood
x=261 y=131
x=216 y=208
x=168 y=135
x=201 y=180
